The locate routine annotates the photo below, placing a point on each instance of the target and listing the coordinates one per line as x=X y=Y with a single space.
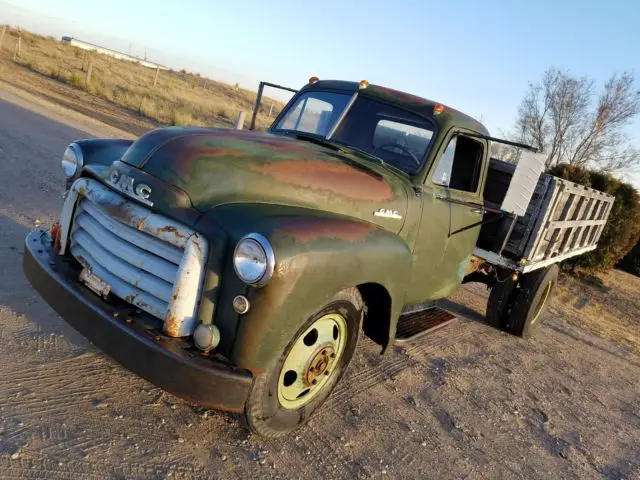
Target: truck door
x=452 y=202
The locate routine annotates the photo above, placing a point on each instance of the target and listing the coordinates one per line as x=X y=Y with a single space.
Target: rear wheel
x=501 y=299
x=284 y=397
x=534 y=291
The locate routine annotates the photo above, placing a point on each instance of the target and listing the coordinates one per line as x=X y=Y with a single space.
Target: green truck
x=237 y=269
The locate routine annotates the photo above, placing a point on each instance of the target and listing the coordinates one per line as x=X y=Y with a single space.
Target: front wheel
x=284 y=397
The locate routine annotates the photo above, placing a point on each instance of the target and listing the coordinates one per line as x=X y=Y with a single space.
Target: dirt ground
x=464 y=402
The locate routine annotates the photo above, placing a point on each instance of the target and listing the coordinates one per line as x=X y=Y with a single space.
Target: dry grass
x=607 y=303
x=179 y=98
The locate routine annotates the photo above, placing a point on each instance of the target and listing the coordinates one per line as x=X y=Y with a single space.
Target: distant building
x=113 y=53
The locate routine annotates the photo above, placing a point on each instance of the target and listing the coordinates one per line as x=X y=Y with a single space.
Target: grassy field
x=178 y=98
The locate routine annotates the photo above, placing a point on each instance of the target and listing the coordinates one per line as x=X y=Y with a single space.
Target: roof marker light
x=363 y=84
x=313 y=79
x=438 y=108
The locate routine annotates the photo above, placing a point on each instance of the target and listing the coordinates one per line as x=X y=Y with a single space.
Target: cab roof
x=448 y=118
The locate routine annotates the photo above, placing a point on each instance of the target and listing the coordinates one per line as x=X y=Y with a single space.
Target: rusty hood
x=221 y=166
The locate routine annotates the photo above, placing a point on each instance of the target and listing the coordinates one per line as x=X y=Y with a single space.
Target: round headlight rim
x=77 y=151
x=269 y=255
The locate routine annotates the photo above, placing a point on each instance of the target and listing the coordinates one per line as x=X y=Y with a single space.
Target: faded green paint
x=216 y=167
x=316 y=206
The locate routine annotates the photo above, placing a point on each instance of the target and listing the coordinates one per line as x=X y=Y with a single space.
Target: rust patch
x=170 y=229
x=474 y=264
x=308 y=230
x=337 y=178
x=171 y=325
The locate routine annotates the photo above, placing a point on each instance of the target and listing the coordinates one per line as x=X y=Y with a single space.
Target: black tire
x=501 y=300
x=534 y=291
x=264 y=415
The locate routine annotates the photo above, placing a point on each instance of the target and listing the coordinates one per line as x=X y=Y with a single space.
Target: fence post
x=16 y=54
x=155 y=79
x=257 y=106
x=4 y=29
x=240 y=120
x=89 y=69
x=270 y=110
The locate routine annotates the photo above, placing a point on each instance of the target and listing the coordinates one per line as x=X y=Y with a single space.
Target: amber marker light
x=363 y=84
x=438 y=109
x=313 y=79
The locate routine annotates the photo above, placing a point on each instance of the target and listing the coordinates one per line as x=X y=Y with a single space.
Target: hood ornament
x=387 y=213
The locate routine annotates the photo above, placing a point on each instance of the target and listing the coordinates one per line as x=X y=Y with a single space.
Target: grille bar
x=120 y=288
x=121 y=269
x=127 y=251
x=131 y=235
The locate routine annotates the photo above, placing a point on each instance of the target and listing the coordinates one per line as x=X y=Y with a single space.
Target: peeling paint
x=310 y=229
x=338 y=178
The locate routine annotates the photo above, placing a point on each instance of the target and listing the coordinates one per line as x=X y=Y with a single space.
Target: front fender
x=316 y=257
x=99 y=153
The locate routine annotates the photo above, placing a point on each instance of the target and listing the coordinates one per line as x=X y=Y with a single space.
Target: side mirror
x=523 y=183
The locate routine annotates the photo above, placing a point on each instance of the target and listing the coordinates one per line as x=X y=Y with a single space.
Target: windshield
x=391 y=134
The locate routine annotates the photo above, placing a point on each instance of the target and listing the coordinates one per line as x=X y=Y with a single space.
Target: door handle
x=479 y=211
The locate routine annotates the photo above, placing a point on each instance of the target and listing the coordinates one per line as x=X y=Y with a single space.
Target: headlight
x=253 y=260
x=72 y=160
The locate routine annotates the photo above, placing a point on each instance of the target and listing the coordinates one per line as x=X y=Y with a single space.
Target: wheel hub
x=319 y=364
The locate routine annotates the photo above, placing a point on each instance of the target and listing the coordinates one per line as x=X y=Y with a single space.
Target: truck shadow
x=461 y=311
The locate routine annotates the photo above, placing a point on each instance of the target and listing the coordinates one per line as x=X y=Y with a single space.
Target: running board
x=416 y=324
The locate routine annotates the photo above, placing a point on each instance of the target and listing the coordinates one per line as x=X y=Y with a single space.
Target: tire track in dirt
x=381 y=368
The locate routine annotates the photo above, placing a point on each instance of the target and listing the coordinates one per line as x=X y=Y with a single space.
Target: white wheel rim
x=312 y=361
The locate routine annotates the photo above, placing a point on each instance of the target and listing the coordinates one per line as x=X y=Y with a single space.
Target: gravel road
x=466 y=401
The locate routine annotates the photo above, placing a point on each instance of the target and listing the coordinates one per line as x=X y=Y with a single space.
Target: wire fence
x=166 y=96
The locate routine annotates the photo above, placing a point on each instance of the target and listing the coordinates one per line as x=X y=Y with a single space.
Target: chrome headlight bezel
x=72 y=160
x=264 y=273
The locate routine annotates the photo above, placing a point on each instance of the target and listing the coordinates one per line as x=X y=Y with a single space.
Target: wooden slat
x=574 y=219
x=574 y=223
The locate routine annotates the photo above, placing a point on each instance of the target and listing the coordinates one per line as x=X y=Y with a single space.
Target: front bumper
x=136 y=342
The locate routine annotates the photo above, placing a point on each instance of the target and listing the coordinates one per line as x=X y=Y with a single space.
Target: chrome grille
x=147 y=259
x=140 y=269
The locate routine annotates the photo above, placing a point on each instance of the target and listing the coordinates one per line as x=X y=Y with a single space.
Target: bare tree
x=503 y=151
x=560 y=118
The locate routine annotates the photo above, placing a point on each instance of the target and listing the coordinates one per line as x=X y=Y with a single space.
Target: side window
x=460 y=164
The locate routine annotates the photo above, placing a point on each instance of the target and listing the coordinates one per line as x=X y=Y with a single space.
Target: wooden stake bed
x=563 y=220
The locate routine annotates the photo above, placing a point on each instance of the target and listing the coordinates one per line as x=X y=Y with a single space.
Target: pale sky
x=477 y=56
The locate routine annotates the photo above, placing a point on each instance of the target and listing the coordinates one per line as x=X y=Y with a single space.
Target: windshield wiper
x=316 y=140
x=364 y=153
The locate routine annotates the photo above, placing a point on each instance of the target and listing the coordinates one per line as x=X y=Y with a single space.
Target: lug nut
x=333 y=355
x=314 y=381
